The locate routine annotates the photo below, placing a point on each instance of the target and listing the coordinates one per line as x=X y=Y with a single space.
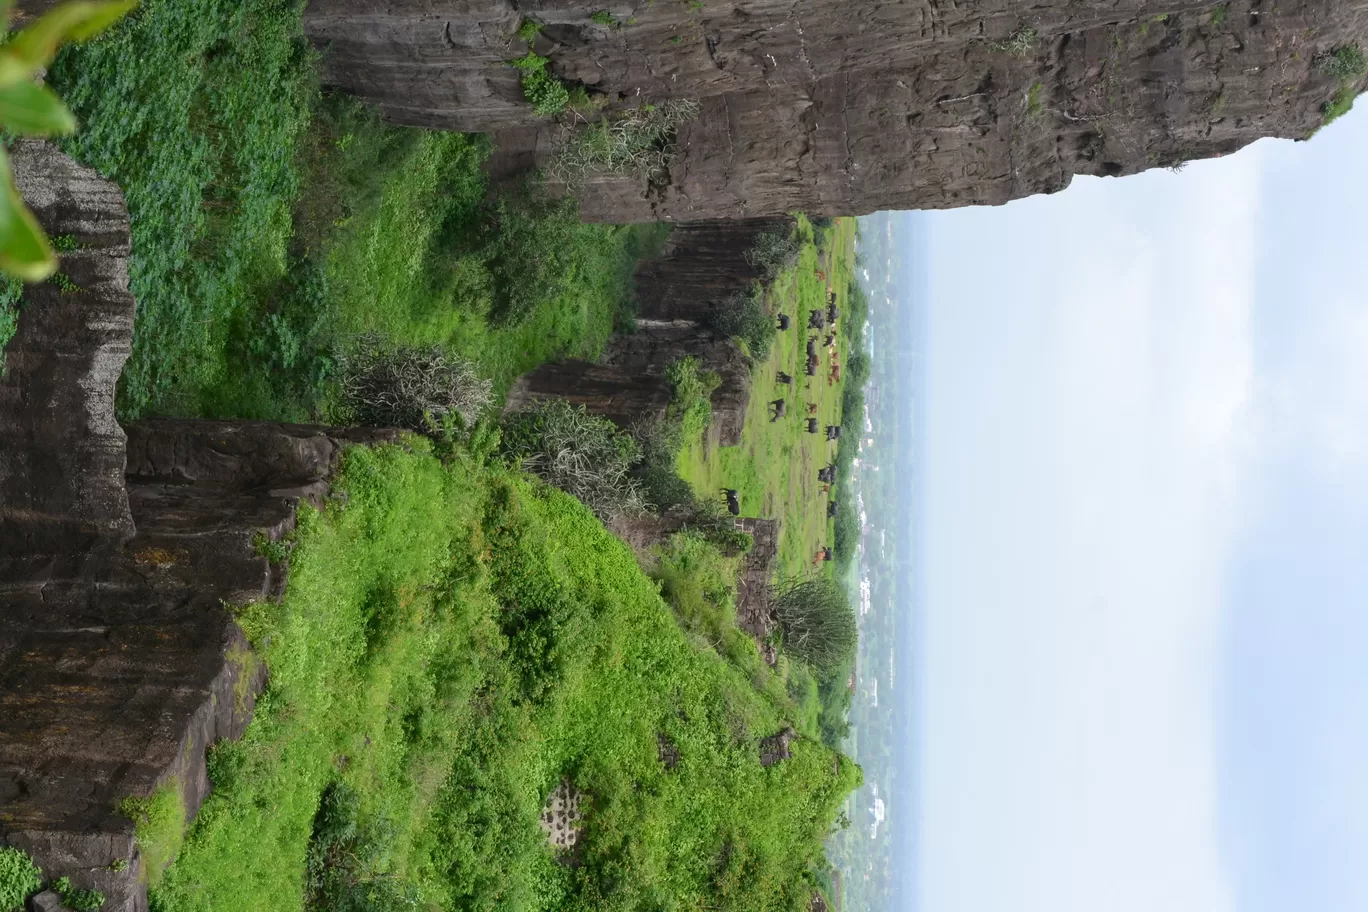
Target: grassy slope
x=454 y=641
x=270 y=222
x=775 y=467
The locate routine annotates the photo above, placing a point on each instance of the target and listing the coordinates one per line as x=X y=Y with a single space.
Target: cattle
x=811 y=369
x=812 y=408
x=812 y=425
x=827 y=554
x=830 y=340
x=783 y=378
x=832 y=507
x=827 y=475
x=835 y=376
x=823 y=554
x=812 y=347
x=733 y=501
x=831 y=298
x=832 y=313
x=780 y=409
x=783 y=321
x=816 y=320
x=833 y=432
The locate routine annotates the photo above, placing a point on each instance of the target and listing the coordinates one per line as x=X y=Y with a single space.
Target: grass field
x=455 y=640
x=775 y=467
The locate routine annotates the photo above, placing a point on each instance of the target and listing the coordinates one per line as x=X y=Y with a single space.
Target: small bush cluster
x=19 y=878
x=660 y=441
x=1345 y=63
x=744 y=316
x=1019 y=44
x=817 y=621
x=584 y=455
x=76 y=899
x=419 y=389
x=637 y=141
x=345 y=868
x=11 y=296
x=774 y=251
x=159 y=821
x=544 y=90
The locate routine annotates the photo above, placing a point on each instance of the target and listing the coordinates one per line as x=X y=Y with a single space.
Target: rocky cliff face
x=678 y=294
x=119 y=664
x=840 y=107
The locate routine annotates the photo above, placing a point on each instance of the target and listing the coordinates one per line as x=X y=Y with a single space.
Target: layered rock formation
x=119 y=662
x=840 y=107
x=701 y=270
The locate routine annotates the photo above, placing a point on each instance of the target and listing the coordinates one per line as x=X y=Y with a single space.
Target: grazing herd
x=818 y=320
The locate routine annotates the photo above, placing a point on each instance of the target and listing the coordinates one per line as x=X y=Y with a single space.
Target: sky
x=1145 y=647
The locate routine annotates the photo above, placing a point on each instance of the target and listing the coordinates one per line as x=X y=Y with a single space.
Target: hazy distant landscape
x=872 y=853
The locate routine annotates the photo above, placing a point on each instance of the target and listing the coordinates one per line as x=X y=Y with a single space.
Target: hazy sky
x=1146 y=644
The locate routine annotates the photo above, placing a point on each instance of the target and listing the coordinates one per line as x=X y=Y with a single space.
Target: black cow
x=811 y=368
x=780 y=409
x=827 y=475
x=827 y=554
x=733 y=501
x=833 y=432
x=816 y=320
x=831 y=298
x=812 y=425
x=812 y=348
x=783 y=321
x=832 y=506
x=830 y=340
x=784 y=378
x=832 y=313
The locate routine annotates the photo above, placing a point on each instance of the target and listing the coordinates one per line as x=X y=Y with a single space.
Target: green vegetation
x=583 y=455
x=544 y=90
x=1035 y=106
x=421 y=389
x=775 y=468
x=159 y=821
x=30 y=108
x=268 y=237
x=454 y=641
x=745 y=317
x=1021 y=43
x=19 y=878
x=1345 y=63
x=818 y=623
x=76 y=899
x=637 y=141
x=605 y=18
x=1341 y=104
x=660 y=442
x=11 y=298
x=1220 y=13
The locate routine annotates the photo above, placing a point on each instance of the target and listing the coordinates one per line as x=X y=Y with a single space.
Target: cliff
x=835 y=107
x=678 y=294
x=119 y=662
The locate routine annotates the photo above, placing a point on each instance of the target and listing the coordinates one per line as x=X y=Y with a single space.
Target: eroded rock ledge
x=119 y=662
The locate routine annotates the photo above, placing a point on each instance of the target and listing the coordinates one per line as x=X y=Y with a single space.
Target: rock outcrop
x=836 y=107
x=679 y=294
x=119 y=662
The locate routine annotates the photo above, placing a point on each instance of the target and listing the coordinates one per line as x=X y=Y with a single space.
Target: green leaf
x=33 y=48
x=32 y=109
x=24 y=249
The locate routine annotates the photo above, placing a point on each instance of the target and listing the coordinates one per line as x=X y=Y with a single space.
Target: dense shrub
x=744 y=316
x=346 y=868
x=774 y=251
x=817 y=620
x=1347 y=62
x=585 y=456
x=75 y=898
x=637 y=141
x=544 y=90
x=660 y=440
x=19 y=878
x=421 y=389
